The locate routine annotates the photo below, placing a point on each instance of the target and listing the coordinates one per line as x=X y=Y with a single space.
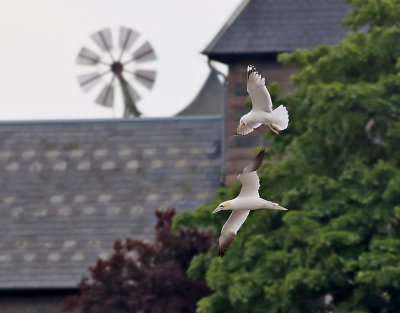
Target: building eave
x=237 y=57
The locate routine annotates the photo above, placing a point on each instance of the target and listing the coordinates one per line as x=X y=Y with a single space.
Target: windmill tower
x=117 y=66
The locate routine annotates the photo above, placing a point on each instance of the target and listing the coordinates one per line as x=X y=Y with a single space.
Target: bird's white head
x=223 y=206
x=242 y=125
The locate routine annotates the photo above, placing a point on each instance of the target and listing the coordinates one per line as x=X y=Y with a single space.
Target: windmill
x=123 y=68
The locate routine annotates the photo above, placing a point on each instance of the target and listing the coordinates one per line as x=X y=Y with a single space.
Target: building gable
x=263 y=27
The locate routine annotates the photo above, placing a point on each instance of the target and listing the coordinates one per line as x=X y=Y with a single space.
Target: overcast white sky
x=40 y=40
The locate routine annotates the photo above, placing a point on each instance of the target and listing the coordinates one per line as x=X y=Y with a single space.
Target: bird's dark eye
x=221 y=206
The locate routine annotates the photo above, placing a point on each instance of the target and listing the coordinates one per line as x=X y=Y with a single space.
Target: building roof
x=209 y=100
x=69 y=189
x=270 y=26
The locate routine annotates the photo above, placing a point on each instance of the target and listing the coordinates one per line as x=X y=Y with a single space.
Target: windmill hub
x=117 y=68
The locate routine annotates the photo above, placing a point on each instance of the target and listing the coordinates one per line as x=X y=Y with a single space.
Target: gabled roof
x=273 y=26
x=69 y=189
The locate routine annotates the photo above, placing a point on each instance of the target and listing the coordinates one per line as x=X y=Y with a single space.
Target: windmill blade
x=106 y=96
x=103 y=39
x=127 y=38
x=88 y=81
x=87 y=57
x=145 y=53
x=145 y=77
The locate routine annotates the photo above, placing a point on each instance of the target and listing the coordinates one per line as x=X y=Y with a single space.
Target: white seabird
x=248 y=199
x=262 y=112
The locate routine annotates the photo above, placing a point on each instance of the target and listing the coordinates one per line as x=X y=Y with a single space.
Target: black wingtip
x=251 y=69
x=261 y=154
x=255 y=164
x=258 y=160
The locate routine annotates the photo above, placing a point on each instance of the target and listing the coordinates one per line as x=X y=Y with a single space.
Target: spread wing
x=250 y=185
x=249 y=178
x=229 y=230
x=257 y=90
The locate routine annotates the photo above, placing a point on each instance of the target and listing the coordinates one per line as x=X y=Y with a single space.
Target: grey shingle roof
x=271 y=26
x=69 y=189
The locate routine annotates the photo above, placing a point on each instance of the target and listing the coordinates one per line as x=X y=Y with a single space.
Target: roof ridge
x=226 y=25
x=266 y=27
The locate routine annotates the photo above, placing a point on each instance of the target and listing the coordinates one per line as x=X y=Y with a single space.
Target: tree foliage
x=144 y=277
x=338 y=248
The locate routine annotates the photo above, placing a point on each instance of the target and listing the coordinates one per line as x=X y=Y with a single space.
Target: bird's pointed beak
x=216 y=210
x=241 y=126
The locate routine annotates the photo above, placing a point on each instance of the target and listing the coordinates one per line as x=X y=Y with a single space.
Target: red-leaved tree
x=142 y=277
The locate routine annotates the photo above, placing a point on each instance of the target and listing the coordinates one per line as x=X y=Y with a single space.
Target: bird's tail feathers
x=278 y=207
x=280 y=117
x=273 y=206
